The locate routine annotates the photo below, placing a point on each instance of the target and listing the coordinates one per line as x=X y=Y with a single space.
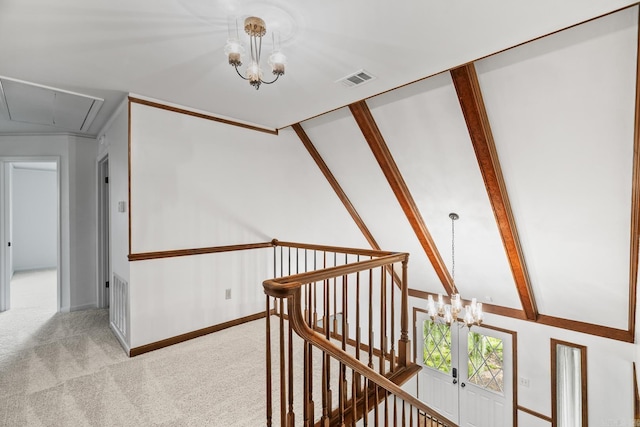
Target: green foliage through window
x=486 y=362
x=437 y=346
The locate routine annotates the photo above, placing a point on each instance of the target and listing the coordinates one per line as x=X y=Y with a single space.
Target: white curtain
x=568 y=386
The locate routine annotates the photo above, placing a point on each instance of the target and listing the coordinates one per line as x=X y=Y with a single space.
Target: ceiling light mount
x=255 y=28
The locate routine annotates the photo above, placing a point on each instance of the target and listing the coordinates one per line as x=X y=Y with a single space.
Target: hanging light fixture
x=449 y=312
x=256 y=29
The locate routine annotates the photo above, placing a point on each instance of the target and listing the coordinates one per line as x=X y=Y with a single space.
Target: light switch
x=122 y=206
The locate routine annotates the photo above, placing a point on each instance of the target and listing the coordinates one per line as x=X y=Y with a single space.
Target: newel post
x=404 y=345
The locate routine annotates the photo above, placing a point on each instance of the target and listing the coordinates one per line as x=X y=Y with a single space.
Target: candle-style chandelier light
x=256 y=28
x=449 y=313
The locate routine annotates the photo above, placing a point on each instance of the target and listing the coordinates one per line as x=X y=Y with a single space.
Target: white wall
x=77 y=238
x=199 y=183
x=34 y=218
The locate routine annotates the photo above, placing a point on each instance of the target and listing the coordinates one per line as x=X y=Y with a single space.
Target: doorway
x=30 y=233
x=104 y=263
x=467 y=373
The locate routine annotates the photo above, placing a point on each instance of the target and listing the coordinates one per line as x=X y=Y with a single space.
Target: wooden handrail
x=292 y=291
x=338 y=249
x=282 y=287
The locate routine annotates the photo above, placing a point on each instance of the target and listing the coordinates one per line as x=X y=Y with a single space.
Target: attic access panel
x=33 y=103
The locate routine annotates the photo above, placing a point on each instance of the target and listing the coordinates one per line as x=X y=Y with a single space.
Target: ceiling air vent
x=356 y=79
x=37 y=104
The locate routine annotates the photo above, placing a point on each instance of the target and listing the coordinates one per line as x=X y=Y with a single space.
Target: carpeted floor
x=67 y=369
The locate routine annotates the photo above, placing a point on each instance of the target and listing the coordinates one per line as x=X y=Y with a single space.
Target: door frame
x=6 y=226
x=417 y=352
x=103 y=232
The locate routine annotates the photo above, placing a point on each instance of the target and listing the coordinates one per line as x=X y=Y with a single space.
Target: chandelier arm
x=272 y=81
x=241 y=76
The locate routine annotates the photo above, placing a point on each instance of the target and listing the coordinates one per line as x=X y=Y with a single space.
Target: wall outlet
x=227 y=294
x=524 y=382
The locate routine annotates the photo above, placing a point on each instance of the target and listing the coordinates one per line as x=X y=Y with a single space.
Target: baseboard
x=120 y=338
x=34 y=269
x=136 y=351
x=83 y=307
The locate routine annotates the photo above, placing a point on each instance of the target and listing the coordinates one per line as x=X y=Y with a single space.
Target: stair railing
x=328 y=297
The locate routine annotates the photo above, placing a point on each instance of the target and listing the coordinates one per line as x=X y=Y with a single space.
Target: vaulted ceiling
x=519 y=116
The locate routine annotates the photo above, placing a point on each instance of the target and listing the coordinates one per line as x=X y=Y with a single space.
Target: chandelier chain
x=453 y=249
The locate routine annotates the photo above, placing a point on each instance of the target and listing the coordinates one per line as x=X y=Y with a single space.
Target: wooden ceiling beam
x=374 y=138
x=635 y=200
x=333 y=182
x=467 y=86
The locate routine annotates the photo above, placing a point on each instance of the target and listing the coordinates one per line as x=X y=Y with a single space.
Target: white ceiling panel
x=339 y=141
x=41 y=105
x=562 y=111
x=425 y=130
x=173 y=50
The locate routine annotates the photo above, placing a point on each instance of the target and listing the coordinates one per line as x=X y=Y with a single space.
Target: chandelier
x=449 y=313
x=234 y=49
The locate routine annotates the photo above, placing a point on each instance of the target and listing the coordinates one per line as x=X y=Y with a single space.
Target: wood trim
x=556 y=322
x=534 y=413
x=374 y=138
x=586 y=328
x=636 y=396
x=201 y=115
x=469 y=93
x=333 y=182
x=136 y=351
x=196 y=251
x=554 y=373
x=635 y=200
x=487 y=308
x=338 y=249
x=129 y=169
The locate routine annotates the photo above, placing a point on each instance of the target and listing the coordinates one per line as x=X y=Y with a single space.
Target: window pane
x=569 y=386
x=486 y=362
x=437 y=346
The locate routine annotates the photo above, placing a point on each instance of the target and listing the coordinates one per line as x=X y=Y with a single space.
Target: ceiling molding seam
x=200 y=115
x=374 y=138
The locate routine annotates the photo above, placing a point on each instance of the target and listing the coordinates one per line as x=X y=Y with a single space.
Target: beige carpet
x=67 y=369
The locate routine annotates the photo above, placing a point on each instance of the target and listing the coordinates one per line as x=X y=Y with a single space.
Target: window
x=568 y=384
x=437 y=346
x=486 y=361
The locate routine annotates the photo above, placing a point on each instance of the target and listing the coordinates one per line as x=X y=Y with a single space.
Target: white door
x=104 y=253
x=438 y=380
x=5 y=236
x=486 y=379
x=467 y=373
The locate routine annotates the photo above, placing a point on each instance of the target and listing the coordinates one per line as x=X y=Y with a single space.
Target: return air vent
x=356 y=79
x=33 y=103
